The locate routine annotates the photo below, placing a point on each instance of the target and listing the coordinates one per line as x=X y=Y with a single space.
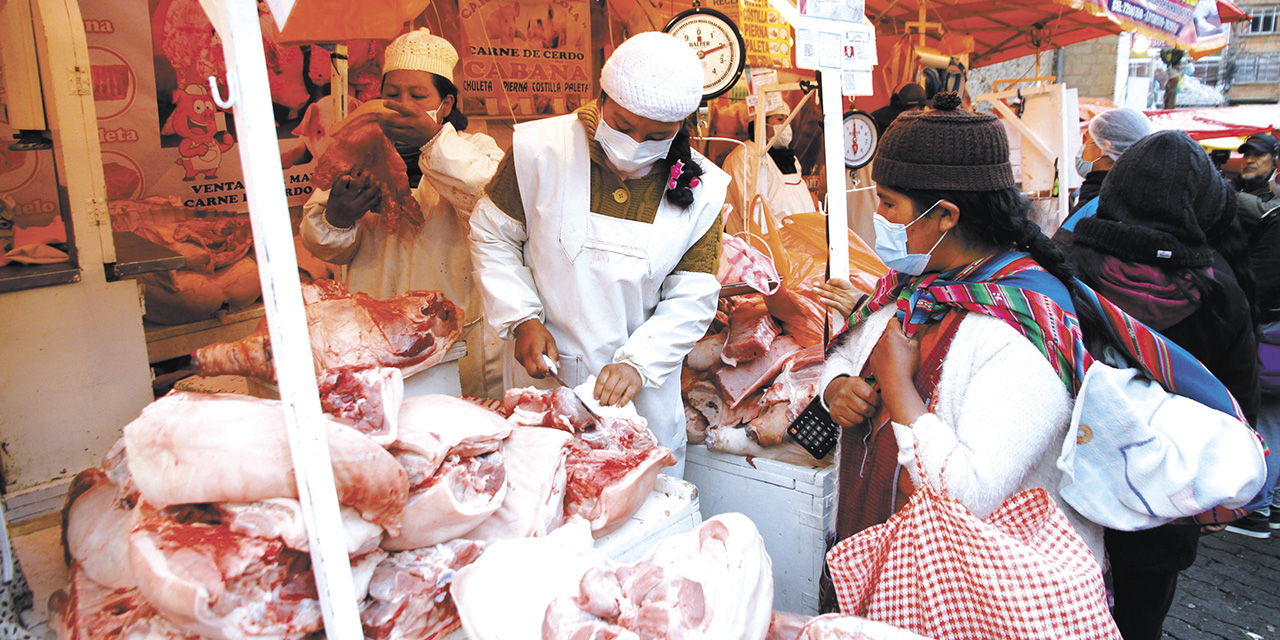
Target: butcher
x=598 y=242
x=448 y=168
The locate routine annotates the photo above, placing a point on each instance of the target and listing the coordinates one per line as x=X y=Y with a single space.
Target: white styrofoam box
x=672 y=508
x=791 y=505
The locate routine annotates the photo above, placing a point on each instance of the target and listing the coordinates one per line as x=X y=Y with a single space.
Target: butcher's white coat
x=606 y=288
x=784 y=193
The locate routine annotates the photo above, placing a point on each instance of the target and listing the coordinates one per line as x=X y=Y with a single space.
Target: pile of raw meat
x=191 y=527
x=747 y=380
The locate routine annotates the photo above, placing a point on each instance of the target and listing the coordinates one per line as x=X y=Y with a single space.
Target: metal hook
x=217 y=95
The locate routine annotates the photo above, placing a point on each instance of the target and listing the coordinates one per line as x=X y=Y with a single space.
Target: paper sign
x=830 y=50
x=806 y=48
x=859 y=47
x=843 y=10
x=857 y=83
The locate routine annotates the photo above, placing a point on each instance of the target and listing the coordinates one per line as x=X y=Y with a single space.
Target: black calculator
x=815 y=430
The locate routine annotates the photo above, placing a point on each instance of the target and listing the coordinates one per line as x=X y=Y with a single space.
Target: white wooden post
x=833 y=152
x=250 y=96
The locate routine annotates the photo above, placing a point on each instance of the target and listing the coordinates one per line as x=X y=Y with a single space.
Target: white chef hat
x=421 y=51
x=655 y=76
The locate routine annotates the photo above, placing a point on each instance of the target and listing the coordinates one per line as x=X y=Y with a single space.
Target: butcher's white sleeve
x=497 y=256
x=658 y=346
x=459 y=165
x=323 y=240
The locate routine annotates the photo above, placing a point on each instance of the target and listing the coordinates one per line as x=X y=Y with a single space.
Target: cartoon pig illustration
x=202 y=146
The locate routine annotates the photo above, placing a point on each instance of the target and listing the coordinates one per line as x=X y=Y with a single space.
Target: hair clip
x=676 y=170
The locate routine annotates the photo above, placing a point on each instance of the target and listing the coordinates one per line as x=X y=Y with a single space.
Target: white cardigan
x=999 y=421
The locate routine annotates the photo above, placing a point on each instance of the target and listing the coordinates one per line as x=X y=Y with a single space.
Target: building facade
x=1253 y=56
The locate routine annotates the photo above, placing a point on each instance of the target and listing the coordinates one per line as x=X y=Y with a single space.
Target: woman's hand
x=351 y=196
x=838 y=295
x=408 y=126
x=533 y=340
x=617 y=384
x=895 y=360
x=851 y=400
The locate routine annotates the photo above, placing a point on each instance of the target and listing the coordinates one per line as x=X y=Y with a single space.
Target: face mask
x=629 y=157
x=1083 y=167
x=784 y=139
x=433 y=113
x=891 y=245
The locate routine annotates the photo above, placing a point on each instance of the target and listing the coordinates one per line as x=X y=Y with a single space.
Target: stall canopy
x=318 y=21
x=1219 y=122
x=1007 y=29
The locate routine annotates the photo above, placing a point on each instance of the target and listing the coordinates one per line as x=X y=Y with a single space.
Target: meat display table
x=791 y=505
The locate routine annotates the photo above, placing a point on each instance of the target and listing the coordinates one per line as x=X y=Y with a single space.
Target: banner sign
x=1188 y=24
x=767 y=36
x=523 y=58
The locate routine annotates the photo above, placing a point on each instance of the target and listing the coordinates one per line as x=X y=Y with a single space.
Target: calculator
x=815 y=430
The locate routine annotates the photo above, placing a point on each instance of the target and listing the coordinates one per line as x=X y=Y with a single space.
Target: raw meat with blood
x=612 y=468
x=461 y=494
x=739 y=442
x=751 y=333
x=741 y=262
x=86 y=610
x=841 y=627
x=192 y=447
x=282 y=518
x=360 y=143
x=713 y=582
x=695 y=425
x=536 y=479
x=207 y=243
x=504 y=595
x=790 y=393
x=97 y=519
x=212 y=581
x=786 y=626
x=743 y=380
x=434 y=426
x=412 y=332
x=369 y=398
x=409 y=592
x=558 y=408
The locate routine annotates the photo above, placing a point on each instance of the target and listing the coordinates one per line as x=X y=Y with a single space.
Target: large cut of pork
x=412 y=332
x=192 y=447
x=409 y=593
x=359 y=143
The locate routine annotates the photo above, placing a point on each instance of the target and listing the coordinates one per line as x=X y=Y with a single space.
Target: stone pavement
x=1232 y=592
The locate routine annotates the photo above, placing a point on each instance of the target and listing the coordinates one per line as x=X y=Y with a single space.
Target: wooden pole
x=250 y=97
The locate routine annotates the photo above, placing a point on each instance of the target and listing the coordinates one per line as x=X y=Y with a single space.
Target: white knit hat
x=655 y=76
x=421 y=51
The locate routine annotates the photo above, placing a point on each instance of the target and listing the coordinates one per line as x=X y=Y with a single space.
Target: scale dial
x=860 y=139
x=719 y=45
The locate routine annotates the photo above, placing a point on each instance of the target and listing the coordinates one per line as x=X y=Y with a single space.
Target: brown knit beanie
x=1157 y=203
x=945 y=149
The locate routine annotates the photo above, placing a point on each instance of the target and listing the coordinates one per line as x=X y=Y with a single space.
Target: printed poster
x=525 y=58
x=27 y=178
x=767 y=35
x=1189 y=24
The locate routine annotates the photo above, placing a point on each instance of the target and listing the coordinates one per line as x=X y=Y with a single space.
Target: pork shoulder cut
x=409 y=592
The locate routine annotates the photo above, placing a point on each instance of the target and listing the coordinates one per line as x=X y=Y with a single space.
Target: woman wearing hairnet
x=598 y=242
x=448 y=168
x=1106 y=137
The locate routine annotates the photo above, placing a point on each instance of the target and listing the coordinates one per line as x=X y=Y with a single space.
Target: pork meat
x=411 y=332
x=745 y=379
x=359 y=142
x=409 y=592
x=194 y=447
x=86 y=610
x=370 y=398
x=536 y=478
x=97 y=520
x=751 y=332
x=461 y=494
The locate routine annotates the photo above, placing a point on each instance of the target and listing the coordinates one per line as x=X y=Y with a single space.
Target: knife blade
x=555 y=375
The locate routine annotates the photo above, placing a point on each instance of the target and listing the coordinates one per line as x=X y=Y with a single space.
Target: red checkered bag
x=936 y=569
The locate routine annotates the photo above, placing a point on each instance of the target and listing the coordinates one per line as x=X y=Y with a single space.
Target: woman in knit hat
x=448 y=168
x=598 y=244
x=1148 y=250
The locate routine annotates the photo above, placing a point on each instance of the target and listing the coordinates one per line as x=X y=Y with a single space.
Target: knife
x=555 y=375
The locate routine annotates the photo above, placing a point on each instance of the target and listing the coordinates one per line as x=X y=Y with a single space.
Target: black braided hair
x=682 y=152
x=446 y=88
x=1000 y=220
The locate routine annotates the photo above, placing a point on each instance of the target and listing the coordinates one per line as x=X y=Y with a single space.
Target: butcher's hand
x=895 y=360
x=851 y=400
x=352 y=195
x=838 y=295
x=533 y=340
x=617 y=384
x=409 y=126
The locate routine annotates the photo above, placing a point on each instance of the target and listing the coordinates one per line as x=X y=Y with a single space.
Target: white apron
x=598 y=277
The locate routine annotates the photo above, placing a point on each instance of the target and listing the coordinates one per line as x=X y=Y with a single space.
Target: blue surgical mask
x=1083 y=167
x=891 y=245
x=631 y=159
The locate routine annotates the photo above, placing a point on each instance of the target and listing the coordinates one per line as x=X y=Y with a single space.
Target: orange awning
x=322 y=21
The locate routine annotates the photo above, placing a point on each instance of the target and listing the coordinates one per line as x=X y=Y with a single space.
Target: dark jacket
x=1264 y=258
x=1260 y=187
x=1089 y=190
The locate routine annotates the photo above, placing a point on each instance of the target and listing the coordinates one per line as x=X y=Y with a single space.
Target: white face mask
x=433 y=113
x=1083 y=167
x=629 y=157
x=891 y=245
x=784 y=138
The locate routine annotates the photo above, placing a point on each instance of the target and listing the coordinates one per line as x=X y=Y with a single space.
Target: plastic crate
x=791 y=505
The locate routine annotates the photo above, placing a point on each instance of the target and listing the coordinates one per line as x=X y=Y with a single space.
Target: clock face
x=718 y=44
x=860 y=139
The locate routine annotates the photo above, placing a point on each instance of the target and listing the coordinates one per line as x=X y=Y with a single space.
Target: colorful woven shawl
x=1013 y=288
